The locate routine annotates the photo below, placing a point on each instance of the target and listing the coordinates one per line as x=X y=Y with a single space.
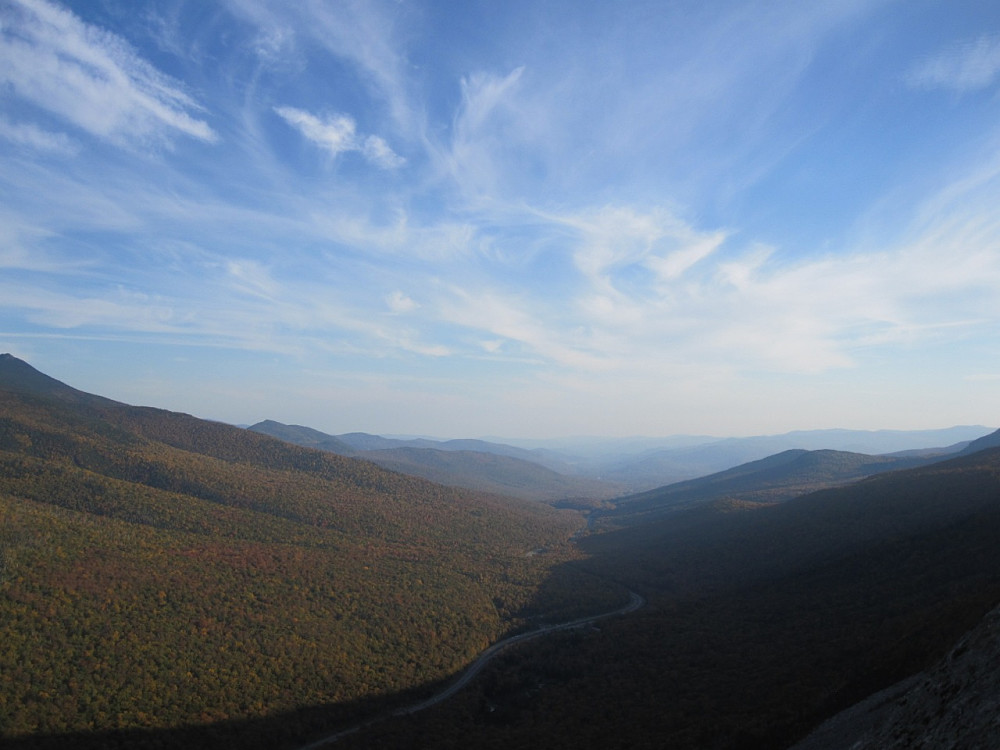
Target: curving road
x=635 y=602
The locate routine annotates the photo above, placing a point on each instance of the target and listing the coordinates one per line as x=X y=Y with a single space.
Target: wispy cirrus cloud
x=482 y=133
x=652 y=291
x=968 y=66
x=338 y=134
x=91 y=78
x=32 y=136
x=365 y=34
x=614 y=237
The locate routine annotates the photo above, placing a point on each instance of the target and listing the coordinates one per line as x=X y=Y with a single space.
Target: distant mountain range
x=586 y=479
x=471 y=464
x=655 y=467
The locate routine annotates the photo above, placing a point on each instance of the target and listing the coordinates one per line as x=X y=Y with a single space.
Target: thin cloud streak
x=91 y=78
x=27 y=134
x=968 y=66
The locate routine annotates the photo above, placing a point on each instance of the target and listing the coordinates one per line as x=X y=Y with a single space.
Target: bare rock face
x=953 y=706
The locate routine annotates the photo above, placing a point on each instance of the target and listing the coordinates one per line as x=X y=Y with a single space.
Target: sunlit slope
x=160 y=570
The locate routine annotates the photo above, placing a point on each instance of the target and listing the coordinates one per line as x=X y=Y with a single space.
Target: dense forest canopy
x=159 y=570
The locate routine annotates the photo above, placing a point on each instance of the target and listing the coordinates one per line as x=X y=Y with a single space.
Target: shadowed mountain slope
x=954 y=704
x=772 y=479
x=759 y=624
x=987 y=441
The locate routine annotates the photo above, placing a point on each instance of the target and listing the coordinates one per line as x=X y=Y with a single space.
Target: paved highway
x=635 y=602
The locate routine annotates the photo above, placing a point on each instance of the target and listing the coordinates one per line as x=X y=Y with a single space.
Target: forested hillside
x=760 y=623
x=171 y=582
x=159 y=571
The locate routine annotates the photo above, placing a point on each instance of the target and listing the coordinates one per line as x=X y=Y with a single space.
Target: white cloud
x=654 y=293
x=365 y=34
x=672 y=265
x=482 y=95
x=399 y=302
x=22 y=248
x=250 y=277
x=377 y=151
x=338 y=134
x=615 y=237
x=436 y=242
x=91 y=77
x=964 y=67
x=27 y=134
x=482 y=133
x=118 y=308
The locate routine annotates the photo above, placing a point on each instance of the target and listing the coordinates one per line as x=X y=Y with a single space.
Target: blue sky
x=523 y=219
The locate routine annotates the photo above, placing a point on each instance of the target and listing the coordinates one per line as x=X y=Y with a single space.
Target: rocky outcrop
x=953 y=706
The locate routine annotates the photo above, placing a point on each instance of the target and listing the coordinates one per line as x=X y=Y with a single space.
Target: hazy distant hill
x=356 y=442
x=987 y=441
x=160 y=571
x=491 y=472
x=471 y=464
x=304 y=436
x=631 y=465
x=772 y=479
x=657 y=466
x=362 y=441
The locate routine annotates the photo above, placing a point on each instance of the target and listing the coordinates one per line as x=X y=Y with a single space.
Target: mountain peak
x=18 y=376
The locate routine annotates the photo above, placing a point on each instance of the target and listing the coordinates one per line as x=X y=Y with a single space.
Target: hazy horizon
x=531 y=219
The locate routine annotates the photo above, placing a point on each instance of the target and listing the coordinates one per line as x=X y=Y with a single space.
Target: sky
x=466 y=218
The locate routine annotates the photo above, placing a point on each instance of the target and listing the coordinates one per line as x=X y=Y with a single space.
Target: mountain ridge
x=20 y=377
x=772 y=479
x=492 y=468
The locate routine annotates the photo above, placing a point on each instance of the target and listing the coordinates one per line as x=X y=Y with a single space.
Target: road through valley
x=635 y=602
